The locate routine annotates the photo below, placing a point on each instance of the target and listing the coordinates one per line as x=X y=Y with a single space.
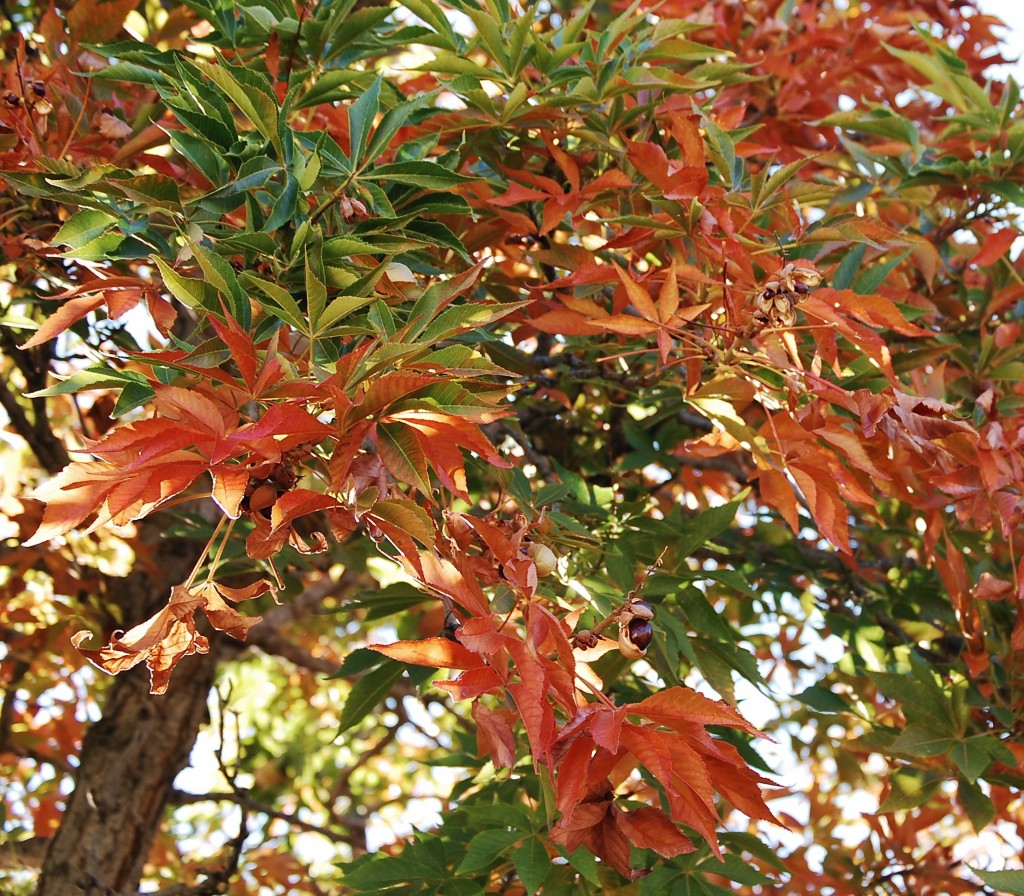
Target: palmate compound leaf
x=589 y=747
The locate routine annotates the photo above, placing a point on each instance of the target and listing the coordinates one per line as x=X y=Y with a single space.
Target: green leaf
x=971 y=757
x=869 y=281
x=221 y=276
x=191 y=293
x=700 y=529
x=921 y=740
x=702 y=616
x=202 y=155
x=403 y=456
x=435 y=17
x=462 y=318
x=360 y=118
x=582 y=859
x=340 y=308
x=425 y=174
x=532 y=864
x=847 y=270
x=93 y=378
x=358 y=660
x=256 y=173
x=979 y=808
x=391 y=122
x=820 y=698
x=281 y=303
x=129 y=73
x=151 y=190
x=910 y=788
x=99 y=248
x=81 y=228
x=1009 y=882
x=133 y=395
x=778 y=179
x=486 y=848
x=327 y=88
x=316 y=288
x=253 y=96
x=921 y=698
x=368 y=692
x=422 y=860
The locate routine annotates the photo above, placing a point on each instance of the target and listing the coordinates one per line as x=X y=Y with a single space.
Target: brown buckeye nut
x=641 y=633
x=627 y=647
x=263 y=497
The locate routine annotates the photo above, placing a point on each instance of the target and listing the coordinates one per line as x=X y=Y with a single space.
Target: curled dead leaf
x=110 y=126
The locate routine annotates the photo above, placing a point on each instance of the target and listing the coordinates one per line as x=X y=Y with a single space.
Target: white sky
x=1011 y=12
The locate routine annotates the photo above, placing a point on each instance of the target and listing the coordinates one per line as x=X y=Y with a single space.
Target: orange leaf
x=298 y=502
x=68 y=314
x=229 y=488
x=777 y=491
x=438 y=653
x=638 y=296
x=828 y=509
x=679 y=704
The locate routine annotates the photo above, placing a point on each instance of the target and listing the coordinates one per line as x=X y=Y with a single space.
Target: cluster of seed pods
x=775 y=305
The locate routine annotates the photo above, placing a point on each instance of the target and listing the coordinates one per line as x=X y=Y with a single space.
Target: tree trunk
x=128 y=763
x=130 y=757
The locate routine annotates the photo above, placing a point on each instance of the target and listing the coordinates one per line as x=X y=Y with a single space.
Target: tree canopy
x=511 y=447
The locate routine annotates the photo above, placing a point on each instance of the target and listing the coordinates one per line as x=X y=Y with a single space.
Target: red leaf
x=650 y=828
x=571 y=776
x=675 y=179
x=243 y=352
x=995 y=247
x=495 y=736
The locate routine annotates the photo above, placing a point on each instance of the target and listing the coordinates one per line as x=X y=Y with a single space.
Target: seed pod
x=807 y=277
x=39 y=89
x=545 y=559
x=12 y=99
x=640 y=609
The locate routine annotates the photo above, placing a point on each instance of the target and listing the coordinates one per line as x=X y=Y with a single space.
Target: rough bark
x=130 y=757
x=129 y=761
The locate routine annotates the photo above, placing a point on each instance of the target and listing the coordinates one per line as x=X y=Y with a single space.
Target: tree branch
x=23 y=855
x=242 y=798
x=47 y=448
